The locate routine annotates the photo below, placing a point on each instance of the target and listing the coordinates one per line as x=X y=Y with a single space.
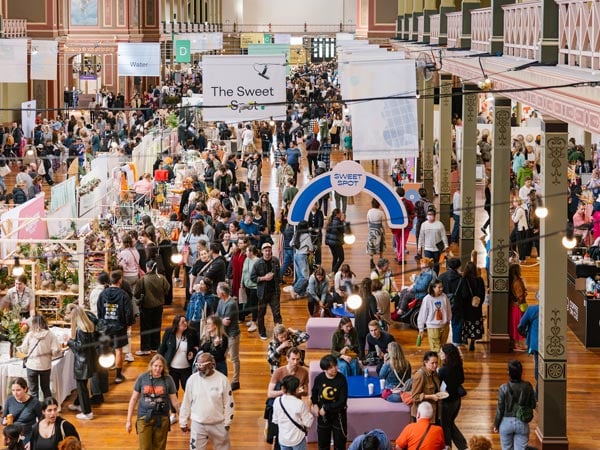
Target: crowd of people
x=226 y=228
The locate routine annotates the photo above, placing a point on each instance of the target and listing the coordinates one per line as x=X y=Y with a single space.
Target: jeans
x=348 y=369
x=251 y=306
x=288 y=259
x=300 y=446
x=450 y=410
x=457 y=327
x=341 y=202
x=302 y=272
x=514 y=434
x=455 y=228
x=436 y=260
x=43 y=384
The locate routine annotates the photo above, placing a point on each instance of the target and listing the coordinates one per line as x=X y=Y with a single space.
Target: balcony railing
x=522 y=31
x=420 y=28
x=434 y=29
x=579 y=33
x=454 y=24
x=185 y=27
x=481 y=28
x=289 y=28
x=13 y=28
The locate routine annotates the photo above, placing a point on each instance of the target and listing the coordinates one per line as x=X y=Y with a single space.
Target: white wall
x=279 y=12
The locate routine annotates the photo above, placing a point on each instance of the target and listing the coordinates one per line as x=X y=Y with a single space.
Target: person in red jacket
x=422 y=435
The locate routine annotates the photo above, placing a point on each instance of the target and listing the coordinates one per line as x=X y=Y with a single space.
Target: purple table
x=358 y=386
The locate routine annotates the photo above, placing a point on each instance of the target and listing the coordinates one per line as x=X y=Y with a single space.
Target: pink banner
x=31 y=213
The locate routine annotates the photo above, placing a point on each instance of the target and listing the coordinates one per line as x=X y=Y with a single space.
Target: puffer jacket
x=334 y=234
x=39 y=357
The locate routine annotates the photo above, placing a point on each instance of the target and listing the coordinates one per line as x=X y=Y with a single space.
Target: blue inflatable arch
x=390 y=202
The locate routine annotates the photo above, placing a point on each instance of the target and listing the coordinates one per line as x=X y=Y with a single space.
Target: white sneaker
x=173 y=419
x=129 y=357
x=82 y=416
x=288 y=289
x=249 y=323
x=73 y=407
x=252 y=328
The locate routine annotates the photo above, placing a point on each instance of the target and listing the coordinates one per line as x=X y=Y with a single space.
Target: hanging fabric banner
x=384 y=125
x=28 y=112
x=43 y=60
x=138 y=59
x=13 y=54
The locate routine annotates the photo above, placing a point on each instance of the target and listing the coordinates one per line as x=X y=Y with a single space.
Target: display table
x=62 y=380
x=583 y=312
x=320 y=330
x=366 y=414
x=358 y=386
x=314 y=369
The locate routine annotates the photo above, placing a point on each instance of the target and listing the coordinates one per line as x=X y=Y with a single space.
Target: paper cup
x=382 y=384
x=371 y=387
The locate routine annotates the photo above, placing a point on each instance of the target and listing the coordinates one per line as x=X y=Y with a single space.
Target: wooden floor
x=484 y=371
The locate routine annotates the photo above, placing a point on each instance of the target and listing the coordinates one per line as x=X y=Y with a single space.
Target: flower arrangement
x=12 y=327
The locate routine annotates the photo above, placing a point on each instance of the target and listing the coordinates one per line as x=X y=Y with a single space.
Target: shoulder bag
x=141 y=273
x=29 y=354
x=475 y=299
x=523 y=412
x=185 y=251
x=300 y=427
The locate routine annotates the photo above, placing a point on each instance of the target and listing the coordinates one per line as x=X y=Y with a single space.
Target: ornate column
x=427 y=132
x=497 y=40
x=446 y=6
x=548 y=50
x=417 y=11
x=552 y=377
x=465 y=37
x=400 y=22
x=428 y=10
x=499 y=229
x=467 y=172
x=445 y=148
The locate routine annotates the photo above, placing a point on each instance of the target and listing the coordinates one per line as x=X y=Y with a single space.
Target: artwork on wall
x=84 y=12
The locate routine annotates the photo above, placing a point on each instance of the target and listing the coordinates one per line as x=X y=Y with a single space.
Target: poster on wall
x=43 y=60
x=240 y=88
x=13 y=54
x=84 y=12
x=138 y=59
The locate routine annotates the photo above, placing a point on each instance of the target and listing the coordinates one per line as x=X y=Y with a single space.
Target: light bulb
x=17 y=271
x=177 y=258
x=354 y=301
x=541 y=212
x=569 y=243
x=349 y=239
x=107 y=360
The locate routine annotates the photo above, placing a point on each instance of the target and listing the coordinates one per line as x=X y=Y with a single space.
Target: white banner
x=43 y=60
x=281 y=38
x=202 y=42
x=13 y=54
x=386 y=128
x=28 y=117
x=138 y=59
x=364 y=54
x=240 y=88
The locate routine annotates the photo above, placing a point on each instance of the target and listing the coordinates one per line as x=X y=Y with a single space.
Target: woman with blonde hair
x=214 y=340
x=156 y=393
x=82 y=344
x=396 y=371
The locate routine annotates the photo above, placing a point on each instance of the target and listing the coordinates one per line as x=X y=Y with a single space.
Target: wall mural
x=84 y=12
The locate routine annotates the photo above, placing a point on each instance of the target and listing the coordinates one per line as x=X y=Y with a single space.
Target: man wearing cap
x=265 y=274
x=432 y=239
x=150 y=291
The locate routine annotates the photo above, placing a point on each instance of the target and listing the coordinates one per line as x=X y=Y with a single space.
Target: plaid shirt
x=325 y=154
x=274 y=357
